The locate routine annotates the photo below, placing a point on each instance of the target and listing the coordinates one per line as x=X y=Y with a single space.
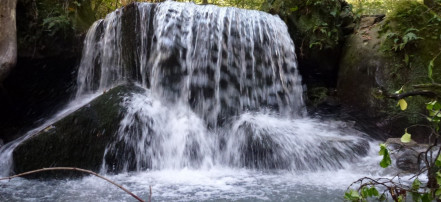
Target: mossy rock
x=78 y=140
x=375 y=63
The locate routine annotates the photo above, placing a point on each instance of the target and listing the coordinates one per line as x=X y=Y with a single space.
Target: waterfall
x=221 y=87
x=222 y=61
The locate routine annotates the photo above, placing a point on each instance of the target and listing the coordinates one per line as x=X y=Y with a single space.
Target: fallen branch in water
x=75 y=169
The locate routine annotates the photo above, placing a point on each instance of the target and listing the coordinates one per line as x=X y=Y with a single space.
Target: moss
x=412 y=57
x=410 y=18
x=317 y=95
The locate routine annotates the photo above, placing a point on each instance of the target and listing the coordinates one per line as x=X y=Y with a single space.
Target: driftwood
x=79 y=170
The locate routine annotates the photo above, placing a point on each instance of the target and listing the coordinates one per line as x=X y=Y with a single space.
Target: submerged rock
x=78 y=140
x=265 y=142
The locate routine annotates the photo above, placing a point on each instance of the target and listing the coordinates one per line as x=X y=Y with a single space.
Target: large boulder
x=385 y=55
x=78 y=140
x=8 y=38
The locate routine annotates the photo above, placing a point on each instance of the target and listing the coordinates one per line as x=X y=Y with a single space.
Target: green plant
x=393 y=187
x=400 y=41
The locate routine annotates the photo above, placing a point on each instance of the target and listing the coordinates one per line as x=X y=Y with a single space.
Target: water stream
x=221 y=116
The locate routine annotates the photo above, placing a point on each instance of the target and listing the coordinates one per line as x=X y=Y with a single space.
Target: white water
x=222 y=116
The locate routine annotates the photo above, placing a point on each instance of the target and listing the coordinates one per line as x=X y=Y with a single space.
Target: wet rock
x=408 y=161
x=406 y=155
x=370 y=69
x=260 y=146
x=78 y=140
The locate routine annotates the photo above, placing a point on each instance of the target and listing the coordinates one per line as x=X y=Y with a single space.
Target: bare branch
x=74 y=169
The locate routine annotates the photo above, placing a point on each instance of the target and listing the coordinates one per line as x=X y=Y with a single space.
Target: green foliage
x=413 y=32
x=362 y=194
x=321 y=20
x=57 y=24
x=397 y=191
x=352 y=195
x=386 y=161
x=400 y=41
x=373 y=7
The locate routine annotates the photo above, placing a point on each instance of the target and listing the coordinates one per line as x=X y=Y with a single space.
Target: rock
x=371 y=69
x=408 y=161
x=8 y=38
x=395 y=143
x=78 y=140
x=405 y=155
x=257 y=145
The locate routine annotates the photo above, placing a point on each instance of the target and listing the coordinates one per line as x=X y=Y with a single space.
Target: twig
x=74 y=169
x=150 y=196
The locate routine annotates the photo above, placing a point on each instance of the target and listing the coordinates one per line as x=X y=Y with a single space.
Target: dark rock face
x=368 y=72
x=34 y=90
x=318 y=64
x=78 y=140
x=44 y=76
x=8 y=38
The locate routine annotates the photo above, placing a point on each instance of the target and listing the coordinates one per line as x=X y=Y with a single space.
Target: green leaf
x=406 y=59
x=386 y=161
x=438 y=161
x=383 y=149
x=403 y=104
x=365 y=192
x=426 y=198
x=294 y=9
x=406 y=137
x=373 y=191
x=416 y=196
x=430 y=105
x=416 y=184
x=430 y=69
x=438 y=192
x=352 y=195
x=438 y=178
x=399 y=91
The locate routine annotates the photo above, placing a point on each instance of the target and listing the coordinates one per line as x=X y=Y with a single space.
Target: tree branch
x=424 y=93
x=74 y=169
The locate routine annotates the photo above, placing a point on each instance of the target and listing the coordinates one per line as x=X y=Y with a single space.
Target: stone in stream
x=78 y=140
x=406 y=155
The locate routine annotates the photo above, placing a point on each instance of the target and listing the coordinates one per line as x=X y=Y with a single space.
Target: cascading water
x=207 y=68
x=221 y=91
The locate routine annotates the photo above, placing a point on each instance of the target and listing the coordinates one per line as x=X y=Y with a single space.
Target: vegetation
x=411 y=32
x=394 y=188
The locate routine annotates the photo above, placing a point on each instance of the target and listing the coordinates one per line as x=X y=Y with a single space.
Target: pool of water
x=213 y=184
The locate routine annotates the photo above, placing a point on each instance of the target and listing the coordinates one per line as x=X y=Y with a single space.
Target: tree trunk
x=204 y=1
x=8 y=37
